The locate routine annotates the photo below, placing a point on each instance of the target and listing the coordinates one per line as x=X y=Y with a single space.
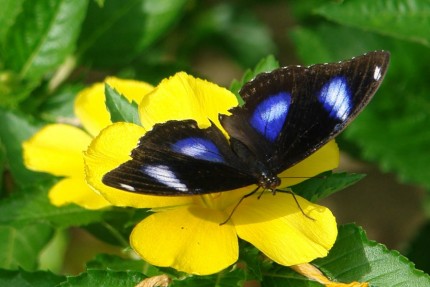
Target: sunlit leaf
x=42 y=36
x=404 y=19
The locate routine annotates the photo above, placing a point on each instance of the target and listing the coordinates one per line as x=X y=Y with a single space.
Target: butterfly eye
x=198 y=148
x=336 y=98
x=270 y=115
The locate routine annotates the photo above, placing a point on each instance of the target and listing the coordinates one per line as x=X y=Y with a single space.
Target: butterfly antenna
x=297 y=202
x=237 y=204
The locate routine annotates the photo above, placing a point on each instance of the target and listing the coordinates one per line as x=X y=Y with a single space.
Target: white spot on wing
x=127 y=187
x=336 y=99
x=377 y=73
x=164 y=175
x=194 y=150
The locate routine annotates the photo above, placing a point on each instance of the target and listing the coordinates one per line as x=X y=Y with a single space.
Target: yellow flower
x=58 y=148
x=185 y=231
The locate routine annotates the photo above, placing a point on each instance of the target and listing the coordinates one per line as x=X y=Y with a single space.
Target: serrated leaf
x=120 y=109
x=117 y=32
x=43 y=36
x=116 y=263
x=21 y=245
x=265 y=65
x=21 y=278
x=356 y=258
x=105 y=278
x=325 y=184
x=404 y=19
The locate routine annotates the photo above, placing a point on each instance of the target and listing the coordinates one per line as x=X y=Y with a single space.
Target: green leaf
x=325 y=184
x=403 y=19
x=21 y=278
x=225 y=278
x=8 y=13
x=117 y=225
x=33 y=206
x=105 y=278
x=418 y=250
x=251 y=257
x=2 y=167
x=119 y=107
x=115 y=263
x=280 y=276
x=60 y=106
x=265 y=65
x=356 y=258
x=16 y=129
x=42 y=36
x=21 y=245
x=116 y=33
x=234 y=29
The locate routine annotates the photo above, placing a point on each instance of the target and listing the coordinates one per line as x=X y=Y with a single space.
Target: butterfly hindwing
x=291 y=112
x=178 y=158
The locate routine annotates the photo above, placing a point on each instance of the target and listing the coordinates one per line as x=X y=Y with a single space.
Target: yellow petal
x=107 y=151
x=90 y=105
x=77 y=191
x=57 y=149
x=276 y=226
x=184 y=97
x=324 y=159
x=187 y=239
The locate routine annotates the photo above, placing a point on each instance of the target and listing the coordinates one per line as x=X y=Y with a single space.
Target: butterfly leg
x=237 y=204
x=295 y=199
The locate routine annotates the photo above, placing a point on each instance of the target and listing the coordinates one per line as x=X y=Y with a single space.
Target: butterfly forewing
x=178 y=158
x=295 y=110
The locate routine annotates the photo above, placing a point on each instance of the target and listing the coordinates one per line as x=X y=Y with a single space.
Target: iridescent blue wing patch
x=335 y=97
x=269 y=116
x=198 y=148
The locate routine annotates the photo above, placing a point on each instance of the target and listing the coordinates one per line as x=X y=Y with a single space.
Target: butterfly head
x=266 y=179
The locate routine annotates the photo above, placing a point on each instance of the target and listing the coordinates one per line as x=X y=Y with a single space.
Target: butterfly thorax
x=266 y=179
x=260 y=171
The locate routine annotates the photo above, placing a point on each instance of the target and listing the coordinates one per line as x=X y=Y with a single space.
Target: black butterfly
x=288 y=114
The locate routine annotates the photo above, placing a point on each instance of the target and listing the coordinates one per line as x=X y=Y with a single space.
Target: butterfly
x=288 y=114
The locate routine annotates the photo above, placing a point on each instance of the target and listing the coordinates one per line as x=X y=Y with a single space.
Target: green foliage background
x=50 y=49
